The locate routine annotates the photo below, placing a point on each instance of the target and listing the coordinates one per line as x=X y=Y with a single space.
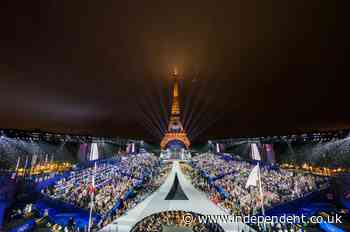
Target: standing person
x=71 y=224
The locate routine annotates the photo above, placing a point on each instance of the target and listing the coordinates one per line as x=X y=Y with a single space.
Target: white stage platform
x=197 y=202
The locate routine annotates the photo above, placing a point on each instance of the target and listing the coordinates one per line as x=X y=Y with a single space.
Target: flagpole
x=261 y=196
x=92 y=198
x=25 y=168
x=90 y=214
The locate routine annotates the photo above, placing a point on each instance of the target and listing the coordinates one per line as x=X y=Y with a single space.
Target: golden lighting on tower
x=175 y=129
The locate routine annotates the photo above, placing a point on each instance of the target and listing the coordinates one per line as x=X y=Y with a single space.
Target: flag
x=34 y=159
x=253 y=177
x=14 y=175
x=92 y=188
x=347 y=195
x=270 y=155
x=218 y=148
x=133 y=148
x=329 y=196
x=94 y=152
x=255 y=152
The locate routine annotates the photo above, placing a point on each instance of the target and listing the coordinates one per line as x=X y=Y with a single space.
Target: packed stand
x=113 y=180
x=147 y=189
x=174 y=219
x=278 y=185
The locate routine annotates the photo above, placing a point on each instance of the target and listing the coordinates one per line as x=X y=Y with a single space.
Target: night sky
x=255 y=67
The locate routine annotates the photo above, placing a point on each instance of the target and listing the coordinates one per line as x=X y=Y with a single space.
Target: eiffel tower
x=175 y=136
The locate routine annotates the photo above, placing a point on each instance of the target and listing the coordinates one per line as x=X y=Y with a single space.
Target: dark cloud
x=102 y=67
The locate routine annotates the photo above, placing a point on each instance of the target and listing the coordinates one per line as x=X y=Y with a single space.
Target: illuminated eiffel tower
x=176 y=136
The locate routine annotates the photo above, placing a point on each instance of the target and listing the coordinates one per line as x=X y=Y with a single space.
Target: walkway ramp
x=192 y=200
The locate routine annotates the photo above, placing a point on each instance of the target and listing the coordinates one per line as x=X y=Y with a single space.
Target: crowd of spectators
x=174 y=219
x=147 y=189
x=211 y=173
x=112 y=181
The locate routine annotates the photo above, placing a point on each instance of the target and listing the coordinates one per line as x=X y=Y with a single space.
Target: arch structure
x=175 y=140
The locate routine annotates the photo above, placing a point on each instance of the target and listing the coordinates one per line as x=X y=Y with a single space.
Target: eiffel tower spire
x=175 y=106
